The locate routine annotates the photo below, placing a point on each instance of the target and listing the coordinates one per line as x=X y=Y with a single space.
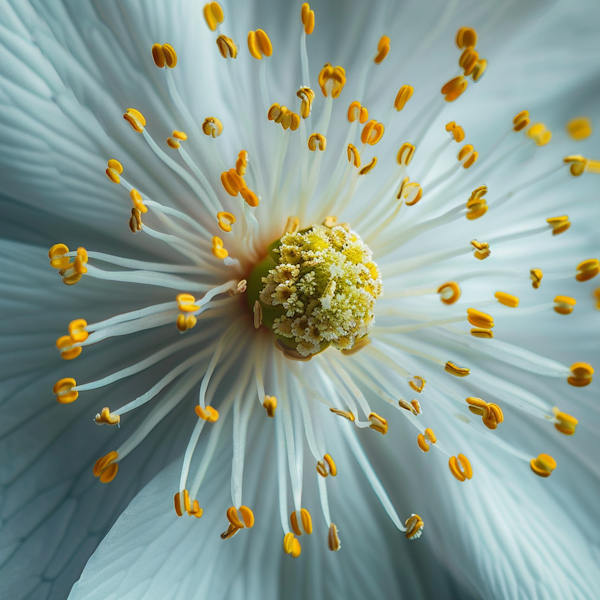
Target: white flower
x=403 y=312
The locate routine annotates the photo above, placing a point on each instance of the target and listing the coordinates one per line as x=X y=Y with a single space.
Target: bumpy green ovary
x=317 y=287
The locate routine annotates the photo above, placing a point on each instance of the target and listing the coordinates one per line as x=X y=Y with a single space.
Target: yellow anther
x=536 y=277
x=259 y=44
x=521 y=120
x=564 y=305
x=467 y=61
x=105 y=468
x=316 y=140
x=185 y=322
x=250 y=197
x=307 y=96
x=186 y=303
x=559 y=224
x=378 y=423
x=476 y=204
x=357 y=111
x=77 y=330
x=579 y=128
x=597 y=297
x=137 y=200
x=372 y=133
x=227 y=47
x=246 y=520
x=136 y=119
x=81 y=260
x=586 y=270
x=308 y=20
x=191 y=508
x=213 y=15
x=242 y=163
x=414 y=527
x=212 y=126
x=107 y=418
x=383 y=47
x=225 y=221
x=423 y=440
x=164 y=54
x=305 y=521
x=135 y=221
x=209 y=413
x=581 y=374
x=57 y=257
x=467 y=155
x=270 y=405
x=114 y=169
x=479 y=319
x=405 y=154
x=403 y=96
x=415 y=408
x=347 y=414
x=333 y=538
x=67 y=349
x=232 y=182
x=565 y=423
x=482 y=249
x=358 y=346
x=353 y=155
x=543 y=465
x=368 y=168
x=466 y=37
x=327 y=466
x=285 y=117
x=491 y=414
x=456 y=131
x=507 y=299
x=291 y=545
x=539 y=134
x=455 y=370
x=454 y=88
x=332 y=80
x=411 y=193
x=63 y=388
x=578 y=164
x=173 y=143
x=274 y=112
x=479 y=69
x=419 y=385
x=486 y=334
x=180 y=135
x=449 y=292
x=460 y=467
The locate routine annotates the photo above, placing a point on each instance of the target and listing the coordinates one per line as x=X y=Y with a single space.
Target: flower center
x=316 y=288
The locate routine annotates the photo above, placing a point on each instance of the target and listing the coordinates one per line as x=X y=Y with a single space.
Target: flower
x=444 y=227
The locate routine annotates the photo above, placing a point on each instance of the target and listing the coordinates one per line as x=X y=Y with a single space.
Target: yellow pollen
x=225 y=221
x=63 y=388
x=357 y=111
x=291 y=545
x=332 y=80
x=543 y=465
x=455 y=370
x=521 y=120
x=307 y=97
x=164 y=54
x=358 y=346
x=490 y=413
x=405 y=154
x=241 y=163
x=539 y=134
x=479 y=319
x=476 y=204
x=482 y=249
x=333 y=539
x=372 y=133
x=138 y=203
x=466 y=37
x=115 y=168
x=232 y=182
x=449 y=292
x=246 y=520
x=136 y=119
x=327 y=466
x=454 y=88
x=191 y=508
x=317 y=141
x=536 y=277
x=250 y=197
x=305 y=521
x=581 y=374
x=347 y=414
x=77 y=330
x=468 y=155
x=423 y=440
x=414 y=527
x=460 y=467
x=566 y=423
x=564 y=305
x=403 y=96
x=383 y=47
x=368 y=168
x=507 y=299
x=107 y=418
x=213 y=15
x=308 y=20
x=579 y=128
x=270 y=405
x=105 y=468
x=353 y=155
x=559 y=224
x=212 y=126
x=456 y=131
x=259 y=44
x=586 y=270
x=57 y=257
x=135 y=221
x=227 y=47
x=419 y=385
x=209 y=414
x=66 y=347
x=185 y=322
x=185 y=303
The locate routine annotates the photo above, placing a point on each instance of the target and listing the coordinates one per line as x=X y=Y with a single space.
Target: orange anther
x=213 y=14
x=449 y=292
x=382 y=49
x=460 y=467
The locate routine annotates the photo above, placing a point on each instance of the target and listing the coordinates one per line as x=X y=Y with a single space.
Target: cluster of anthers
x=312 y=288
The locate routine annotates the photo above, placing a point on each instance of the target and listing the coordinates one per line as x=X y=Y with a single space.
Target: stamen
x=105 y=468
x=383 y=47
x=327 y=466
x=316 y=140
x=357 y=111
x=347 y=414
x=491 y=414
x=454 y=88
x=460 y=467
x=536 y=277
x=405 y=154
x=213 y=15
x=212 y=127
x=455 y=370
x=414 y=526
x=305 y=521
x=307 y=96
x=403 y=96
x=417 y=387
x=559 y=224
x=333 y=539
x=368 y=168
x=539 y=134
x=107 y=418
x=479 y=319
x=285 y=117
x=270 y=405
x=63 y=388
x=114 y=169
x=565 y=423
x=332 y=80
x=449 y=292
x=543 y=465
x=586 y=270
x=507 y=299
x=564 y=305
x=259 y=44
x=191 y=508
x=467 y=156
x=227 y=47
x=456 y=131
x=425 y=439
x=521 y=121
x=291 y=545
x=579 y=128
x=135 y=221
x=476 y=205
x=378 y=423
x=217 y=248
x=353 y=155
x=581 y=374
x=466 y=37
x=308 y=20
x=164 y=54
x=482 y=249
x=208 y=413
x=136 y=119
x=372 y=133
